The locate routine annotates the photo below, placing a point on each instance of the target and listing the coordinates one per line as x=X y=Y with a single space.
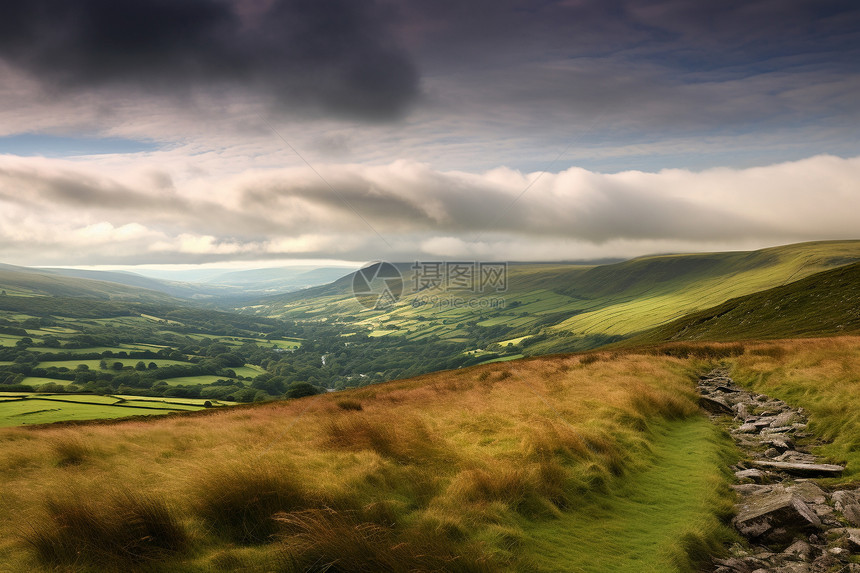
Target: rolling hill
x=25 y=281
x=826 y=303
x=556 y=307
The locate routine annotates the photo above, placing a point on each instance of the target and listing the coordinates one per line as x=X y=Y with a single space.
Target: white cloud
x=97 y=211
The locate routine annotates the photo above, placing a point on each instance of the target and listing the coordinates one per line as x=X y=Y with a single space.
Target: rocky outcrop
x=792 y=525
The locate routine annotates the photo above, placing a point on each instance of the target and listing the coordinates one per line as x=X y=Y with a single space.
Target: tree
x=140 y=366
x=301 y=389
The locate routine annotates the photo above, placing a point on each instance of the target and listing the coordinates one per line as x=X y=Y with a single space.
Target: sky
x=268 y=132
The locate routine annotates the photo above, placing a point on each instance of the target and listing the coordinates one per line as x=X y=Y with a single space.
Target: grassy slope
x=821 y=375
x=481 y=464
x=32 y=282
x=825 y=303
x=617 y=299
x=644 y=292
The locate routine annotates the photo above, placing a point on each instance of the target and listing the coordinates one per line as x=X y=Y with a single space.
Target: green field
x=28 y=409
x=36 y=381
x=248 y=371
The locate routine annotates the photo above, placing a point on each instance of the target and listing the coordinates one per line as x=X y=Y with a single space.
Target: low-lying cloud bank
x=71 y=213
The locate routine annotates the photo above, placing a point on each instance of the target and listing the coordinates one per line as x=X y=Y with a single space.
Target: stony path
x=791 y=523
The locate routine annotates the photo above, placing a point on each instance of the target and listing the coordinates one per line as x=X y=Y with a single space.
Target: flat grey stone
x=802 y=469
x=753 y=474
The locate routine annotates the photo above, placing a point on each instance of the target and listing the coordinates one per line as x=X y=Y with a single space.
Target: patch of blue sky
x=33 y=144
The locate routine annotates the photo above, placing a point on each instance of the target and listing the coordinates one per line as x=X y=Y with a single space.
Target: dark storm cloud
x=681 y=33
x=336 y=55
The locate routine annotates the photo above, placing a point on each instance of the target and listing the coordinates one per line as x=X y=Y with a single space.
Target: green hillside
x=564 y=307
x=822 y=304
x=24 y=281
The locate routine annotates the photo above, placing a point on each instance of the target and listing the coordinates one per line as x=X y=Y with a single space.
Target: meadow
x=527 y=465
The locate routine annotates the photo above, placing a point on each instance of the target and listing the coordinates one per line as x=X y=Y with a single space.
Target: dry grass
x=239 y=499
x=443 y=472
x=110 y=530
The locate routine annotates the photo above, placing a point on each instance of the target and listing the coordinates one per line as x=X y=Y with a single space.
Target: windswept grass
x=110 y=530
x=455 y=471
x=821 y=375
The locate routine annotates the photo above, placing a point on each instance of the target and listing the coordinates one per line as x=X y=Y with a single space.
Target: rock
x=715 y=405
x=795 y=568
x=751 y=488
x=771 y=453
x=794 y=456
x=782 y=443
x=734 y=564
x=800 y=549
x=747 y=429
x=848 y=504
x=727 y=389
x=753 y=474
x=783 y=419
x=779 y=429
x=809 y=492
x=774 y=517
x=802 y=469
x=852 y=514
x=854 y=537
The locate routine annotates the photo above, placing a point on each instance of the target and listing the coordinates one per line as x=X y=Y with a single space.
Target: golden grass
x=111 y=530
x=442 y=472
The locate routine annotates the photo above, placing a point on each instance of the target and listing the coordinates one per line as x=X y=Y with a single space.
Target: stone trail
x=792 y=524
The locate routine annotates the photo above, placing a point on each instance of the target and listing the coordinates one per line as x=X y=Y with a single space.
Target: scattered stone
x=790 y=513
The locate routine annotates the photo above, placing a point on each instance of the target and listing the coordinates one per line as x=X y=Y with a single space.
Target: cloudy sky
x=254 y=132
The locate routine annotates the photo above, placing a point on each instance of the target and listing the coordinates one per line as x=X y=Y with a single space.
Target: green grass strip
x=665 y=518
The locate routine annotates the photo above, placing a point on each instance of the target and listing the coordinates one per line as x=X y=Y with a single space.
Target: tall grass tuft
x=408 y=440
x=114 y=532
x=319 y=540
x=239 y=500
x=70 y=450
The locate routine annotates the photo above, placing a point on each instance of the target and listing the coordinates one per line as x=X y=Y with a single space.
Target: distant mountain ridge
x=133 y=286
